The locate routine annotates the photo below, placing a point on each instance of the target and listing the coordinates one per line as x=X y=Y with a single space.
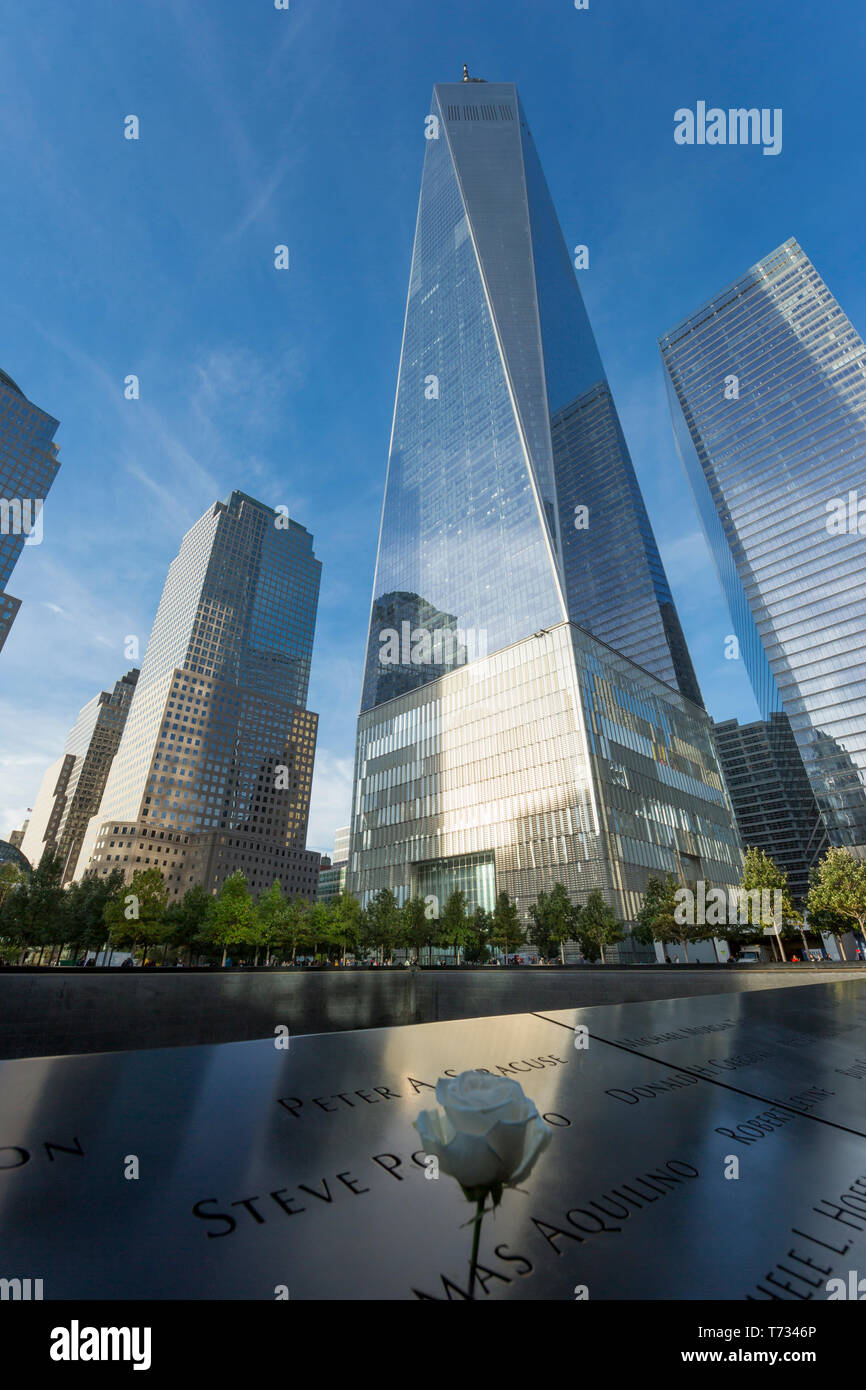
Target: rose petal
x=537 y=1137
x=471 y=1161
x=475 y=1102
x=509 y=1141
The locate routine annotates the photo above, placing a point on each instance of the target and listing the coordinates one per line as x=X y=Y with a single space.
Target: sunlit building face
x=214 y=770
x=529 y=709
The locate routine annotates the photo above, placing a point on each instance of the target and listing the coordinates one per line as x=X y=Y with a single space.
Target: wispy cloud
x=331 y=798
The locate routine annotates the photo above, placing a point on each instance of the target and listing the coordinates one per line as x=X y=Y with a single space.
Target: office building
x=767 y=385
x=214 y=769
x=772 y=797
x=333 y=868
x=72 y=787
x=529 y=709
x=28 y=467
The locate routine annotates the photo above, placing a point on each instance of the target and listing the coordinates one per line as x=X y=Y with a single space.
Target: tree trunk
x=841 y=946
x=601 y=948
x=225 y=953
x=685 y=946
x=562 y=951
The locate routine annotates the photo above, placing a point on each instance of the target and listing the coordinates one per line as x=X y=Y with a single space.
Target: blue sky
x=305 y=127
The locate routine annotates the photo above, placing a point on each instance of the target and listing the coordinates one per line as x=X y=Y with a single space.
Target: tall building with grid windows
x=72 y=787
x=28 y=467
x=767 y=385
x=772 y=797
x=529 y=709
x=215 y=766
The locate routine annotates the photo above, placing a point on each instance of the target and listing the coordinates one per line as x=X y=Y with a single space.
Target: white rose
x=490 y=1134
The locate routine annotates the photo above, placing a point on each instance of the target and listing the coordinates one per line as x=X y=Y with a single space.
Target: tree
x=293 y=927
x=419 y=929
x=83 y=915
x=10 y=876
x=656 y=920
x=185 y=922
x=507 y=931
x=32 y=911
x=598 y=925
x=383 y=922
x=230 y=924
x=477 y=937
x=134 y=914
x=837 y=894
x=555 y=920
x=454 y=923
x=320 y=927
x=762 y=874
x=270 y=916
x=346 y=914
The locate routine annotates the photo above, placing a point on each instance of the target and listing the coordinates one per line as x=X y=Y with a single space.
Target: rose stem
x=479 y=1217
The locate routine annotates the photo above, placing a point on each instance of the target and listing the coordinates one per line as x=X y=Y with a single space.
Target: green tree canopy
x=479 y=928
x=134 y=914
x=507 y=932
x=420 y=926
x=33 y=908
x=598 y=926
x=230 y=924
x=554 y=920
x=837 y=894
x=454 y=925
x=83 y=923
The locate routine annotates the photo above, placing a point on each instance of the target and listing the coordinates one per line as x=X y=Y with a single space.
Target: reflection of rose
x=490 y=1135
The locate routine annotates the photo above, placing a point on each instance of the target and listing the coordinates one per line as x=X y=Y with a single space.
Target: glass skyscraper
x=772 y=797
x=767 y=384
x=215 y=766
x=529 y=709
x=504 y=425
x=28 y=467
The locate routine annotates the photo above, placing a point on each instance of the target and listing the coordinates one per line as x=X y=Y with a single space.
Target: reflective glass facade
x=768 y=393
x=529 y=712
x=28 y=467
x=555 y=759
x=771 y=795
x=215 y=766
x=503 y=425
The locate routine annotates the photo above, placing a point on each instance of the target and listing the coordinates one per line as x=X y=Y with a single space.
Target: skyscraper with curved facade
x=529 y=709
